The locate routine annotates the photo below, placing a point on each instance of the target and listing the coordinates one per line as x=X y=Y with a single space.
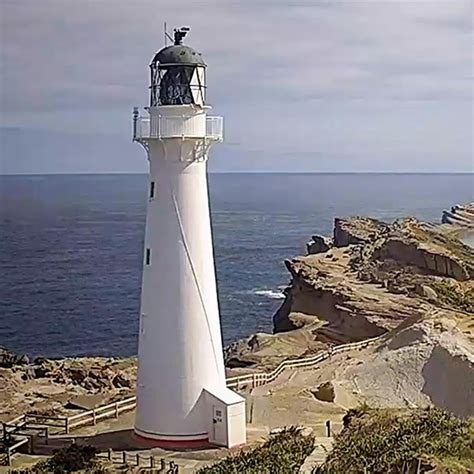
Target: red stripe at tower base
x=173 y=444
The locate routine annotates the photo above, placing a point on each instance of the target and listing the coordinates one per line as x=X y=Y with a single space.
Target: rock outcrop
x=9 y=359
x=462 y=216
x=357 y=231
x=375 y=276
x=43 y=386
x=318 y=244
x=409 y=281
x=425 y=362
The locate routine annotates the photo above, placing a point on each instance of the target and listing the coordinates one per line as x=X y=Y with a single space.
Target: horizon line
x=126 y=173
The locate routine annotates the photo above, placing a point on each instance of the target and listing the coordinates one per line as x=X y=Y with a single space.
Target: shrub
x=71 y=459
x=384 y=441
x=283 y=453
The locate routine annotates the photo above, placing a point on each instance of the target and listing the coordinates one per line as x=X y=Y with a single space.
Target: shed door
x=218 y=426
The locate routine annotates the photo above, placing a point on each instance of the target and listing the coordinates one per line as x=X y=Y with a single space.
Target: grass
x=283 y=453
x=71 y=459
x=383 y=441
x=454 y=296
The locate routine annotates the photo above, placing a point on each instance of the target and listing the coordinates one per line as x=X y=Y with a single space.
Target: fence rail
x=106 y=411
x=261 y=378
x=112 y=410
x=11 y=450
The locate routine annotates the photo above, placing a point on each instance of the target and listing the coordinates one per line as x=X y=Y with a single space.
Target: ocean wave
x=272 y=294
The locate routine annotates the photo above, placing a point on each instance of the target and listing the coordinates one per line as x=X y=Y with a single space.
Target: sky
x=303 y=85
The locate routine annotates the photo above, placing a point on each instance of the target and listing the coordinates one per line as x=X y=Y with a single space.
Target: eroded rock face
x=376 y=276
x=433 y=259
x=357 y=231
x=9 y=359
x=425 y=362
x=48 y=385
x=318 y=244
x=325 y=392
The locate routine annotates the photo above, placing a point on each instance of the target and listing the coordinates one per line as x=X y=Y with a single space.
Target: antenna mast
x=166 y=35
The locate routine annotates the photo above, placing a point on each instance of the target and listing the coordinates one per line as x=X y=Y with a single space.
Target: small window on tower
x=152 y=190
x=142 y=324
x=148 y=257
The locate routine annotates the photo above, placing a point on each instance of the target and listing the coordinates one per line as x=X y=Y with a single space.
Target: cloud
x=390 y=77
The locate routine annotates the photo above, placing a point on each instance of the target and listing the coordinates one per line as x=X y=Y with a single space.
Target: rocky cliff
x=409 y=281
x=424 y=362
x=373 y=276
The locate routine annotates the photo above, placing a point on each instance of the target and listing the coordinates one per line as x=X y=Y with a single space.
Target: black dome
x=179 y=54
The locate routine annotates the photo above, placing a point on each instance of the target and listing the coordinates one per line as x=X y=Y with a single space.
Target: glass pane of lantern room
x=197 y=86
x=175 y=86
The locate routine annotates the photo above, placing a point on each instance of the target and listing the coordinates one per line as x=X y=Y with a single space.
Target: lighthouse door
x=218 y=426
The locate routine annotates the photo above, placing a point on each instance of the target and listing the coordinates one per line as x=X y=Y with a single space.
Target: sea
x=71 y=247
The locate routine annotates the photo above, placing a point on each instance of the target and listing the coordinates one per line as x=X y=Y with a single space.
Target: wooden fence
x=262 y=378
x=11 y=450
x=140 y=460
x=111 y=410
x=66 y=423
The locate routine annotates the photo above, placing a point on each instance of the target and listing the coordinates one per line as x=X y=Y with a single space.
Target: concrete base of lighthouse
x=222 y=411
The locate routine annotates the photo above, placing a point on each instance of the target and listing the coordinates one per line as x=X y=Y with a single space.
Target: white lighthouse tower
x=181 y=389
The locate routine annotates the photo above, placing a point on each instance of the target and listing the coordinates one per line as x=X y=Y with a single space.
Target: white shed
x=226 y=415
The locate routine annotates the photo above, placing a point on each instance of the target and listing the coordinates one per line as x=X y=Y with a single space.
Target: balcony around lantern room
x=160 y=127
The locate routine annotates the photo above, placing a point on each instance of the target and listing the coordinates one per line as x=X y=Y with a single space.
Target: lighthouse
x=182 y=398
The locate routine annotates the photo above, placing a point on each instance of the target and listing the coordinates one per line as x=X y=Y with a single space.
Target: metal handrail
x=166 y=126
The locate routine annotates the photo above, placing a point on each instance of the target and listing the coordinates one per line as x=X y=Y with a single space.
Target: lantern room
x=178 y=75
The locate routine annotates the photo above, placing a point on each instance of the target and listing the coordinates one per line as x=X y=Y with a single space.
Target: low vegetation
x=382 y=441
x=71 y=459
x=283 y=453
x=454 y=295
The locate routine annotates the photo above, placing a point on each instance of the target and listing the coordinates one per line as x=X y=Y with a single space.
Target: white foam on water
x=272 y=294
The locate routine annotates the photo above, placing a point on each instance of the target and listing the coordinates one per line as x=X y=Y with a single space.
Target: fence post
x=109 y=454
x=124 y=457
x=163 y=465
x=116 y=410
x=328 y=428
x=152 y=462
x=138 y=459
x=93 y=415
x=46 y=435
x=254 y=378
x=67 y=425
